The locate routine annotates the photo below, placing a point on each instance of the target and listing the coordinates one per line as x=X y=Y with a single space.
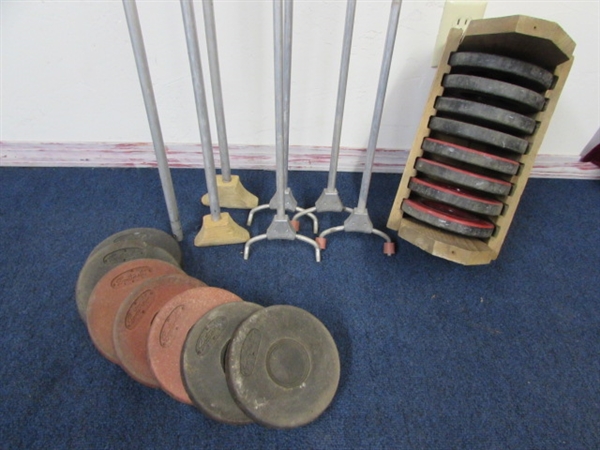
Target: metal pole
x=191 y=37
x=341 y=97
x=279 y=107
x=288 y=19
x=381 y=90
x=141 y=61
x=215 y=78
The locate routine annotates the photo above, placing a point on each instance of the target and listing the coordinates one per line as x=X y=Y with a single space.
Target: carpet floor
x=434 y=355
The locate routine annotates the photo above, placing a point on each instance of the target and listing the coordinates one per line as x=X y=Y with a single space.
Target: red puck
x=448 y=218
x=462 y=177
x=470 y=156
x=456 y=196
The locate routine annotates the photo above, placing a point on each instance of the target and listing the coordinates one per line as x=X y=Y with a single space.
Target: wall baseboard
x=86 y=154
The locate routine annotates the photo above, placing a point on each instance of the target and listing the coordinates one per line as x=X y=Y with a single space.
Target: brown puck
x=169 y=330
x=134 y=317
x=109 y=293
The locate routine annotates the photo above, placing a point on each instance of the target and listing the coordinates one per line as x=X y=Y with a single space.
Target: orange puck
x=169 y=330
x=134 y=317
x=109 y=293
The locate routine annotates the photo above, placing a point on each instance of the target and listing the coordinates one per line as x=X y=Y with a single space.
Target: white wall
x=68 y=74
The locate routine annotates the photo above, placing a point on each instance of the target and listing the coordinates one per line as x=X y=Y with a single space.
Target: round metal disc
x=202 y=361
x=456 y=196
x=134 y=317
x=470 y=156
x=517 y=96
x=502 y=118
x=464 y=178
x=283 y=367
x=109 y=293
x=465 y=130
x=513 y=68
x=448 y=218
x=169 y=330
x=107 y=258
x=151 y=236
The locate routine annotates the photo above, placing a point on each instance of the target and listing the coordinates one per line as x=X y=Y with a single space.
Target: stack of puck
x=483 y=124
x=236 y=361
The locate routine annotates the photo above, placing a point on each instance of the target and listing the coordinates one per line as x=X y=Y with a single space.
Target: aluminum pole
x=141 y=62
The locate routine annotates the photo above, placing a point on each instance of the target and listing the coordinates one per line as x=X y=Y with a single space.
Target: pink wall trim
x=101 y=154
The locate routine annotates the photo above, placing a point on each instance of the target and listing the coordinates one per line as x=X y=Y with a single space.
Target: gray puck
x=150 y=236
x=464 y=178
x=497 y=117
x=456 y=196
x=202 y=362
x=448 y=218
x=477 y=133
x=470 y=156
x=522 y=98
x=513 y=68
x=105 y=259
x=283 y=367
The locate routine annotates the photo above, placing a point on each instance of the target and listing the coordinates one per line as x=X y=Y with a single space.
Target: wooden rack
x=525 y=38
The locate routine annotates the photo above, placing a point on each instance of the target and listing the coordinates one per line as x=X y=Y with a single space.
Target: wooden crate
x=526 y=38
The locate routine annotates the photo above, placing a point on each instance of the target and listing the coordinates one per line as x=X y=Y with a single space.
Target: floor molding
x=86 y=154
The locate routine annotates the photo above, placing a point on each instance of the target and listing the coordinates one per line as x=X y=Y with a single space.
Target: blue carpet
x=434 y=355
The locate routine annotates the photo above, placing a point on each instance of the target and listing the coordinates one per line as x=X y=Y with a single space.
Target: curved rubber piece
x=522 y=98
x=456 y=196
x=464 y=178
x=448 y=218
x=477 y=133
x=518 y=69
x=470 y=156
x=493 y=115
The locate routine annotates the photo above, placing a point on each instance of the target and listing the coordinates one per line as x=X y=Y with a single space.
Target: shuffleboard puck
x=477 y=133
x=203 y=361
x=456 y=196
x=513 y=68
x=498 y=117
x=110 y=291
x=169 y=330
x=151 y=236
x=470 y=156
x=448 y=218
x=283 y=367
x=108 y=257
x=464 y=178
x=523 y=98
x=134 y=317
